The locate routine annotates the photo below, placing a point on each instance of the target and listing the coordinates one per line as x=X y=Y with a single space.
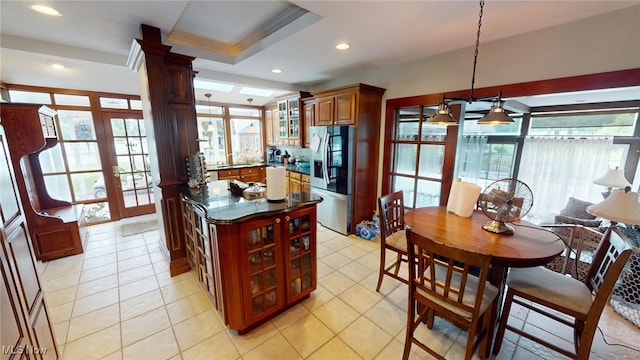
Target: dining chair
x=442 y=283
x=569 y=301
x=392 y=235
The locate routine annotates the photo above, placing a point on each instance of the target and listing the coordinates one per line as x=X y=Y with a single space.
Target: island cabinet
x=254 y=259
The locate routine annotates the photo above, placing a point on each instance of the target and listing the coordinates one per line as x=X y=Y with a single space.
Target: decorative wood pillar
x=168 y=102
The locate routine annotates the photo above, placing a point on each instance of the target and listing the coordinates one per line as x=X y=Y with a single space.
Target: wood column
x=168 y=101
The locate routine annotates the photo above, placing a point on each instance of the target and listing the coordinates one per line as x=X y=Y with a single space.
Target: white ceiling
x=239 y=42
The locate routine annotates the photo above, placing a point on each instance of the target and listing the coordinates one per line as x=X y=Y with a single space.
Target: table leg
x=498 y=279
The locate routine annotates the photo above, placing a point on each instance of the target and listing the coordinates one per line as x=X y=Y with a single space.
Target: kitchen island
x=256 y=258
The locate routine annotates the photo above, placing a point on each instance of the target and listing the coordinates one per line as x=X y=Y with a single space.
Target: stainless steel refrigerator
x=331 y=173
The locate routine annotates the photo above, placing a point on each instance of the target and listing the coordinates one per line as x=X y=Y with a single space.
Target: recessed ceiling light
x=55 y=65
x=43 y=9
x=343 y=46
x=276 y=71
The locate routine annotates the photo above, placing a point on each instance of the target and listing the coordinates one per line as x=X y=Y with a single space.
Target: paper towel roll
x=276 y=179
x=463 y=198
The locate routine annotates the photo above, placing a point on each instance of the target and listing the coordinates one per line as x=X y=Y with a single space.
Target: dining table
x=530 y=245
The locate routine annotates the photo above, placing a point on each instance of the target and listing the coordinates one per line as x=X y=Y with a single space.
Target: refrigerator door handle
x=325 y=157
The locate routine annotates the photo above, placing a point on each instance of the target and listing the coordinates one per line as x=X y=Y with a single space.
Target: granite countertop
x=224 y=208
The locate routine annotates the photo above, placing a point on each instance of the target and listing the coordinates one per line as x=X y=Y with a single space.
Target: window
x=418 y=157
x=230 y=134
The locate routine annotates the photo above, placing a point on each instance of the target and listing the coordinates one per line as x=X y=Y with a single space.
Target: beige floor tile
x=60 y=296
x=144 y=325
x=97 y=285
x=92 y=322
x=252 y=339
x=127 y=276
x=95 y=243
x=95 y=301
x=323 y=269
x=275 y=348
x=99 y=261
x=355 y=271
x=335 y=349
x=322 y=251
x=98 y=272
x=61 y=312
x=187 y=307
x=138 y=287
x=290 y=316
x=307 y=335
x=131 y=242
x=363 y=328
x=196 y=329
x=61 y=282
x=60 y=329
x=217 y=347
x=158 y=346
x=336 y=314
x=94 y=346
x=336 y=283
x=124 y=254
x=353 y=252
x=56 y=268
x=100 y=252
x=317 y=298
x=140 y=304
x=336 y=260
x=133 y=263
x=371 y=260
x=360 y=298
x=388 y=317
x=180 y=289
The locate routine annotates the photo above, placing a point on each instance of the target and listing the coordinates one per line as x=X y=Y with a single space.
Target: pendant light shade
x=442 y=116
x=497 y=115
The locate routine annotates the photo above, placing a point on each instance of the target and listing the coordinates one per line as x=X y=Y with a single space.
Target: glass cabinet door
x=301 y=274
x=263 y=293
x=294 y=118
x=283 y=128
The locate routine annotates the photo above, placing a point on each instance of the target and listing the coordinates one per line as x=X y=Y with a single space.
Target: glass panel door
x=130 y=174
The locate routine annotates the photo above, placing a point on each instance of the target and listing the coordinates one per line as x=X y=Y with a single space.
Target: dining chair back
x=450 y=283
x=392 y=235
x=579 y=303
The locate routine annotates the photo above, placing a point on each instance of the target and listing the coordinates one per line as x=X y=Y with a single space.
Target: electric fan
x=503 y=201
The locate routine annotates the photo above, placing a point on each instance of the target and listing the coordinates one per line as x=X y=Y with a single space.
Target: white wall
x=598 y=44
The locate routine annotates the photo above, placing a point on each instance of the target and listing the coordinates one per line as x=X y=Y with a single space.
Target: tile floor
x=117 y=301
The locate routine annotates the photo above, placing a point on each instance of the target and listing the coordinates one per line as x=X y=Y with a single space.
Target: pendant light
x=495 y=116
x=251 y=128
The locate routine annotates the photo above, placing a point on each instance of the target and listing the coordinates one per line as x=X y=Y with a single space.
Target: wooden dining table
x=530 y=245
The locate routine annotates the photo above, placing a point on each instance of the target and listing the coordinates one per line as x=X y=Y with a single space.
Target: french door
x=129 y=183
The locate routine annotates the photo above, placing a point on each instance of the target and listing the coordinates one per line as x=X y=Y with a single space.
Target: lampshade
x=496 y=116
x=621 y=206
x=614 y=178
x=442 y=116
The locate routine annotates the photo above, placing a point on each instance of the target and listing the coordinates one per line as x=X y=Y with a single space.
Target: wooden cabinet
x=253 y=174
x=347 y=105
x=356 y=105
x=27 y=331
x=271 y=126
x=247 y=175
x=230 y=174
x=254 y=269
x=290 y=129
x=297 y=182
x=57 y=228
x=309 y=112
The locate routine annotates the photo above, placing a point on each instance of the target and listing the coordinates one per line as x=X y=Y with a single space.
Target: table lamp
x=614 y=178
x=620 y=206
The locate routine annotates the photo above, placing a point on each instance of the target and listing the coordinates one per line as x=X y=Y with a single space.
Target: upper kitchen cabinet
x=271 y=125
x=309 y=113
x=290 y=121
x=347 y=105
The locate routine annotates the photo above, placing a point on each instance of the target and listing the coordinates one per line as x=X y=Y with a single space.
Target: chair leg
x=398 y=261
x=410 y=327
x=508 y=300
x=382 y=267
